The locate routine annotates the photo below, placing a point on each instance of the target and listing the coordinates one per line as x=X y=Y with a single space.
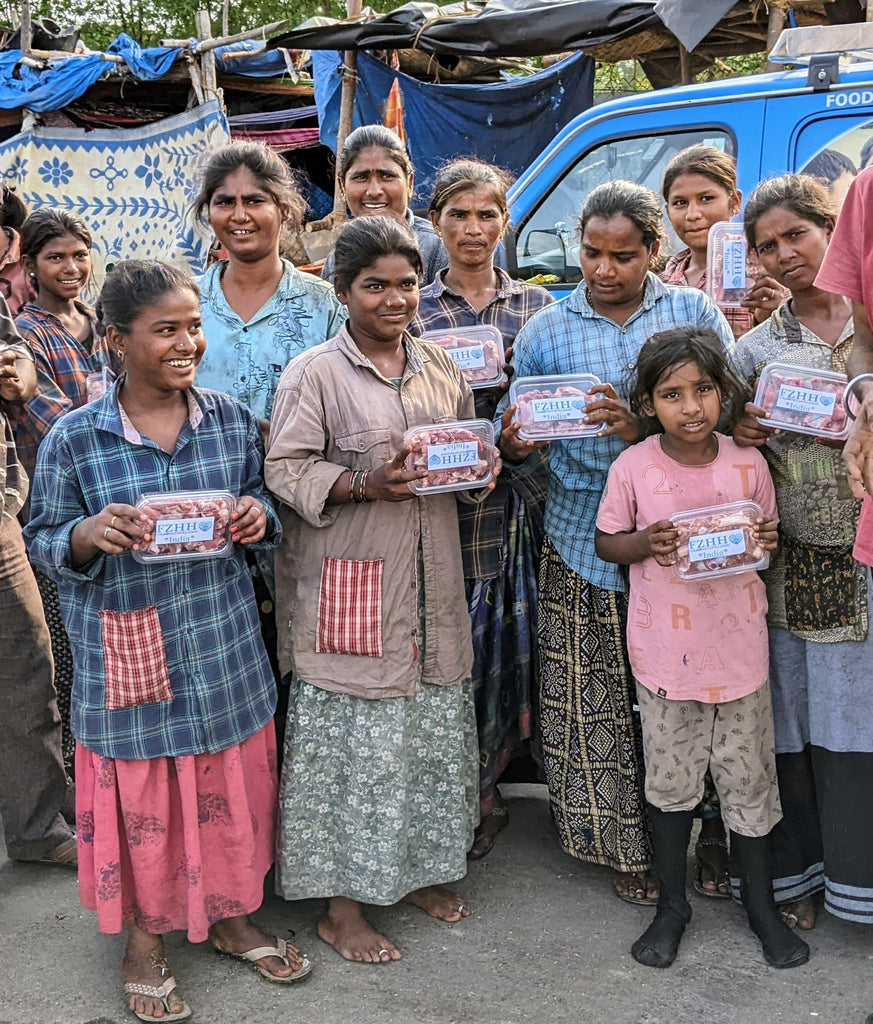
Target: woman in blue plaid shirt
x=591 y=740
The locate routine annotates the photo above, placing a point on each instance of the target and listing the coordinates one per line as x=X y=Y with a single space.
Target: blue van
x=770 y=123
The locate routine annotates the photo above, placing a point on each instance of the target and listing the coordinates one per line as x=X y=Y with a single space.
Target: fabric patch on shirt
x=350 y=607
x=135 y=659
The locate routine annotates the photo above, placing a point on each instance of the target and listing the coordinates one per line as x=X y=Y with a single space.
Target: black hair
x=13 y=211
x=460 y=176
x=828 y=165
x=374 y=136
x=133 y=286
x=625 y=199
x=364 y=240
x=708 y=161
x=45 y=225
x=804 y=195
x=676 y=347
x=866 y=153
x=268 y=169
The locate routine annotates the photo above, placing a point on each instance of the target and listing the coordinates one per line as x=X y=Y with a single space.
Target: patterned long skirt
x=63 y=659
x=592 y=748
x=378 y=797
x=176 y=843
x=505 y=654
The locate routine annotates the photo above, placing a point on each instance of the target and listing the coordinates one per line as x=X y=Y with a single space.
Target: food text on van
x=849 y=99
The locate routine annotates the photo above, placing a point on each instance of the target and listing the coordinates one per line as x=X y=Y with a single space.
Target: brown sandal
x=64 y=855
x=494 y=822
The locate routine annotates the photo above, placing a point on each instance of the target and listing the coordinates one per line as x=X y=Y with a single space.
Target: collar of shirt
x=109 y=414
x=438 y=287
x=291 y=285
x=416 y=356
x=653 y=290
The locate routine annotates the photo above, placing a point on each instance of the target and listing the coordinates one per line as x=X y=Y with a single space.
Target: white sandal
x=132 y=988
x=280 y=950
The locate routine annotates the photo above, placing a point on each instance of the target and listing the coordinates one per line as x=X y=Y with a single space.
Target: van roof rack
x=850 y=43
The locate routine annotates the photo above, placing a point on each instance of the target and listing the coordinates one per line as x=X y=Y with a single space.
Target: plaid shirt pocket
x=350 y=607
x=135 y=660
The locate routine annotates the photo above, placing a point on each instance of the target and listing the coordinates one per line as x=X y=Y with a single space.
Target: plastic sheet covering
x=501 y=28
x=507 y=123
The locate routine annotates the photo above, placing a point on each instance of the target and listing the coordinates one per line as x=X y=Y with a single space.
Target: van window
x=841 y=148
x=547 y=241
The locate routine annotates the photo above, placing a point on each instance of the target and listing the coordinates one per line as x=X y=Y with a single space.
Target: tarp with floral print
x=132 y=187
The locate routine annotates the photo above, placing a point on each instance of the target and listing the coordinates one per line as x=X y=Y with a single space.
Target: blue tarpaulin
x=65 y=78
x=507 y=123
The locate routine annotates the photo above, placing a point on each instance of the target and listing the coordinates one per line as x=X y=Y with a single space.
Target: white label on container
x=705 y=546
x=469 y=358
x=733 y=270
x=184 y=531
x=806 y=400
x=552 y=410
x=450 y=456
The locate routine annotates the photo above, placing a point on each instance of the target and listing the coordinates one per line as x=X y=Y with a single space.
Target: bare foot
x=145 y=963
x=439 y=902
x=344 y=928
x=635 y=887
x=238 y=935
x=799 y=914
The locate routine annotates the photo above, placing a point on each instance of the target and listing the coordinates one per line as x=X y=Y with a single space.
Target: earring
x=32 y=275
x=120 y=354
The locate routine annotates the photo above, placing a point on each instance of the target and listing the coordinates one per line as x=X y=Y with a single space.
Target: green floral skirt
x=378 y=797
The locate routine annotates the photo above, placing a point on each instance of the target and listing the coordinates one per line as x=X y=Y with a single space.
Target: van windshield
x=548 y=241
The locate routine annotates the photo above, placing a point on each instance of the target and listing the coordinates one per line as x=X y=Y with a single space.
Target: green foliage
x=150 y=21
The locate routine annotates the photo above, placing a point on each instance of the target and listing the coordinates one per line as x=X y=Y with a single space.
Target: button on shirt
x=246 y=360
x=223 y=689
x=569 y=337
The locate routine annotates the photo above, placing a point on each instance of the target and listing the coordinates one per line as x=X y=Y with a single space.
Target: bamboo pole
x=203 y=27
x=205 y=44
x=347 y=104
x=225 y=18
x=26 y=27
x=774 y=29
x=685 y=75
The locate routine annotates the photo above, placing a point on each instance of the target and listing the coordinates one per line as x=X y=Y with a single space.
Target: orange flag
x=394 y=110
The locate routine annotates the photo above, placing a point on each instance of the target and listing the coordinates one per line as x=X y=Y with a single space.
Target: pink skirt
x=176 y=843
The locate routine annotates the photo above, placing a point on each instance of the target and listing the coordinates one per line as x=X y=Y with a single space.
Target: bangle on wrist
x=850 y=395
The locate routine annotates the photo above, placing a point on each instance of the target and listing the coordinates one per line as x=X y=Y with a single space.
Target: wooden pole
x=203 y=26
x=26 y=27
x=225 y=18
x=204 y=44
x=347 y=104
x=869 y=11
x=685 y=75
x=774 y=29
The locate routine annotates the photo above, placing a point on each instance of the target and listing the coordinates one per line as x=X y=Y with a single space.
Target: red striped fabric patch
x=350 y=607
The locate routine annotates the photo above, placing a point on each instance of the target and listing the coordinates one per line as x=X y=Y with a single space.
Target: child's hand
x=767 y=533
x=749 y=433
x=612 y=411
x=662 y=539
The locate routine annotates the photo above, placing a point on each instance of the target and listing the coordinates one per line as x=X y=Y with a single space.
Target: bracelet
x=351 y=485
x=364 y=486
x=849 y=393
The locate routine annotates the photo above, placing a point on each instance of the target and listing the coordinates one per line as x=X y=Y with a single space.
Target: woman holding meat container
x=474 y=310
x=143 y=503
x=591 y=738
x=379 y=793
x=819 y=596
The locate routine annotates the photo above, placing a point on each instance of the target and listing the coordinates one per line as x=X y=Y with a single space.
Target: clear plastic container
x=551 y=408
x=477 y=351
x=718 y=540
x=804 y=400
x=728 y=269
x=187 y=524
x=458 y=456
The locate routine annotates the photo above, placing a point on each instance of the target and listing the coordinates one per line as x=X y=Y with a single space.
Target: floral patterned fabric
x=378 y=797
x=176 y=843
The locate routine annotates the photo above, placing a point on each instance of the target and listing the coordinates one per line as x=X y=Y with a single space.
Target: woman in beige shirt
x=379 y=791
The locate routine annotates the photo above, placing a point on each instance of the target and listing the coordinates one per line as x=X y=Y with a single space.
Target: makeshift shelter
x=507 y=122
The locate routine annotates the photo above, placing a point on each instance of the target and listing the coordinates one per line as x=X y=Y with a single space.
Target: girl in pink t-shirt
x=697 y=635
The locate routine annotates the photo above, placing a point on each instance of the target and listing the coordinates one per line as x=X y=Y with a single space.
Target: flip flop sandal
x=132 y=988
x=280 y=950
x=697 y=884
x=494 y=822
x=64 y=855
x=638 y=901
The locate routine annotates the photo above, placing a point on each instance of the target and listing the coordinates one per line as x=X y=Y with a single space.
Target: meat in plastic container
x=187 y=525
x=728 y=281
x=804 y=400
x=718 y=540
x=457 y=456
x=551 y=408
x=477 y=351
